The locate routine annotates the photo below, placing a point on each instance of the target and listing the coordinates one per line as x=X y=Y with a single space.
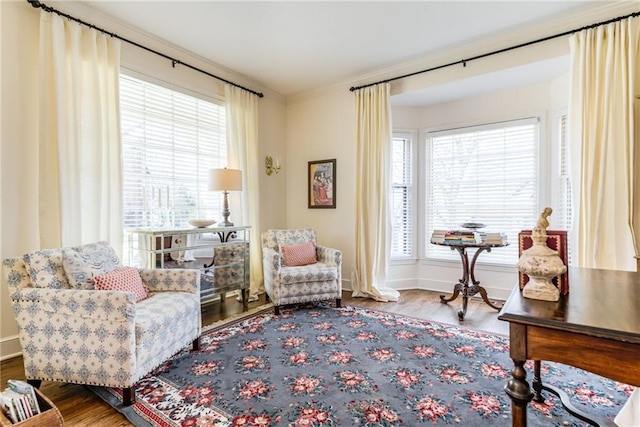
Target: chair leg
x=245 y=299
x=338 y=302
x=128 y=396
x=196 y=344
x=35 y=383
x=276 y=310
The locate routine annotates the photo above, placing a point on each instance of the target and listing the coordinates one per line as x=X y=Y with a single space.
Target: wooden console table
x=463 y=286
x=596 y=327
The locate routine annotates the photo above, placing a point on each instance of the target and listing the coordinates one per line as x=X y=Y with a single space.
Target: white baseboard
x=10 y=347
x=446 y=287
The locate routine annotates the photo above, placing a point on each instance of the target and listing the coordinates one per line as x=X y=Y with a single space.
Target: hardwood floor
x=80 y=407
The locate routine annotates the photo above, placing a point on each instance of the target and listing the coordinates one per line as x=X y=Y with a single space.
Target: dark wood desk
x=596 y=327
x=468 y=286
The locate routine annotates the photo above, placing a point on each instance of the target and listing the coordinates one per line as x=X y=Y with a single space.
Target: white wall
x=19 y=36
x=19 y=149
x=319 y=128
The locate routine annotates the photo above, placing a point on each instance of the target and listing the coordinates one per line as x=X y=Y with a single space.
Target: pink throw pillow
x=297 y=255
x=122 y=279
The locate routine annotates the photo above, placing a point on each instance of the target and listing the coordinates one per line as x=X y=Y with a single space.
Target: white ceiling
x=293 y=47
x=532 y=73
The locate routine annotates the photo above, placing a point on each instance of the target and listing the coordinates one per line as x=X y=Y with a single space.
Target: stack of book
x=455 y=237
x=18 y=401
x=496 y=238
x=437 y=236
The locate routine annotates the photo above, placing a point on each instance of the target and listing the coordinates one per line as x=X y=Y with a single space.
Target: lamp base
x=225 y=212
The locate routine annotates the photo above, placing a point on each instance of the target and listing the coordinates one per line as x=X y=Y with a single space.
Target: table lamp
x=225 y=180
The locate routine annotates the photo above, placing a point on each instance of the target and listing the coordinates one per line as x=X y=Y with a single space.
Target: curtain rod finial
x=39 y=5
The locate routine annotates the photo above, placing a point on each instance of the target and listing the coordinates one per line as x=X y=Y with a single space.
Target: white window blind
x=402 y=198
x=486 y=174
x=562 y=212
x=170 y=140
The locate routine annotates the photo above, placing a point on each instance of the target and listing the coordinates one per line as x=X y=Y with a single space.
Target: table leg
x=464 y=282
x=475 y=287
x=468 y=286
x=462 y=287
x=245 y=299
x=213 y=261
x=463 y=311
x=485 y=298
x=537 y=382
x=456 y=292
x=472 y=268
x=518 y=390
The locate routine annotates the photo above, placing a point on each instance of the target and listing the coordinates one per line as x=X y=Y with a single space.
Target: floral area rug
x=319 y=366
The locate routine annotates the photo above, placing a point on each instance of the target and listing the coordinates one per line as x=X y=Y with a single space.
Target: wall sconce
x=272 y=165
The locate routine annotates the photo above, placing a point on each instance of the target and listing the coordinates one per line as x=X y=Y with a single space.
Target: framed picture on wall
x=322 y=184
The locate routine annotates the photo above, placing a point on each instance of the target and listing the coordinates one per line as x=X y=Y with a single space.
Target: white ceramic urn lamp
x=541 y=264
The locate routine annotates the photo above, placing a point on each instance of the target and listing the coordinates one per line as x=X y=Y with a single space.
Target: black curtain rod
x=484 y=55
x=174 y=62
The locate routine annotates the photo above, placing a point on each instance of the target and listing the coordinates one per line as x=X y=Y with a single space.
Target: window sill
x=403 y=261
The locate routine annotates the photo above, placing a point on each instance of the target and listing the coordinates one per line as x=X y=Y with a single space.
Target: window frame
x=412 y=136
x=549 y=170
x=562 y=203
x=547 y=157
x=495 y=123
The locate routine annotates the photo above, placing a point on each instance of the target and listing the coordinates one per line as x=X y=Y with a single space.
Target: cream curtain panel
x=242 y=153
x=373 y=225
x=79 y=130
x=604 y=83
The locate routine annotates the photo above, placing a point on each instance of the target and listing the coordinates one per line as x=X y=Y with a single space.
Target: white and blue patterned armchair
x=297 y=284
x=74 y=334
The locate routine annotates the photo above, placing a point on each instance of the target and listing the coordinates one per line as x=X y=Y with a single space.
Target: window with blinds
x=485 y=174
x=562 y=212
x=402 y=197
x=170 y=140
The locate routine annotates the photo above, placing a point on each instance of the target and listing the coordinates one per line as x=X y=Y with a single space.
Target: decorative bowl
x=200 y=223
x=472 y=225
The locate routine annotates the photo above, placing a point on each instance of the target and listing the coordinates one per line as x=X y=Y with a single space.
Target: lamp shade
x=225 y=179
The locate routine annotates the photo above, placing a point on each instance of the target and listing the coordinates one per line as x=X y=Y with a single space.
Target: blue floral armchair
x=284 y=284
x=71 y=333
